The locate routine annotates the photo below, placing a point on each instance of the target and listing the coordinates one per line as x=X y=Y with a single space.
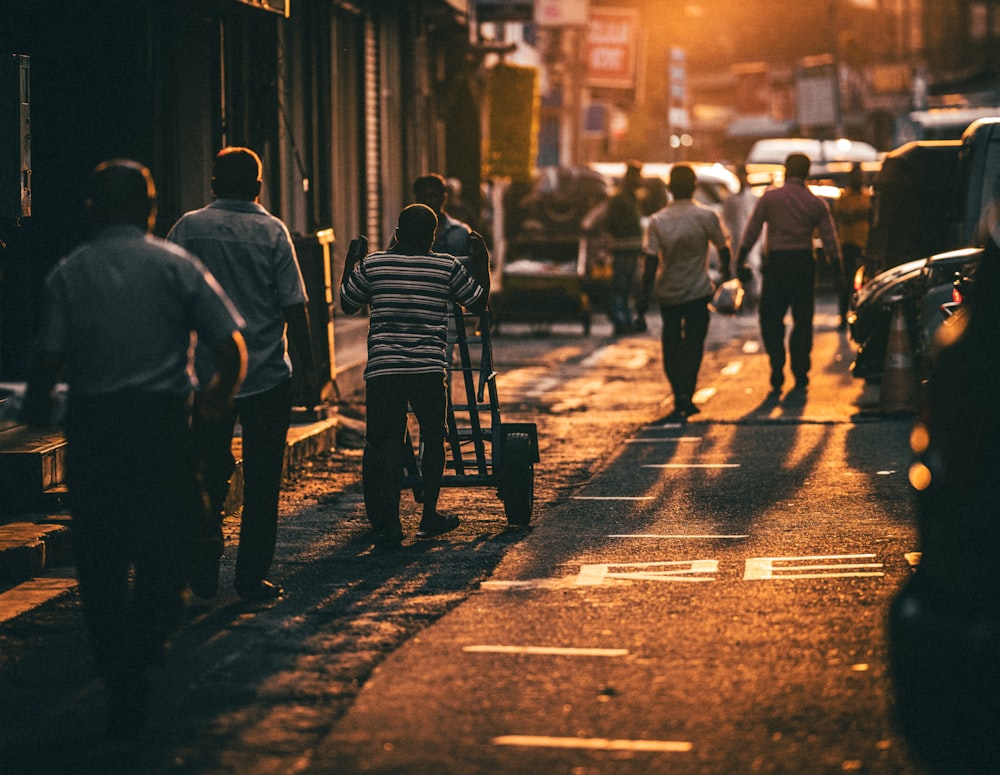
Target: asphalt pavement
x=699 y=598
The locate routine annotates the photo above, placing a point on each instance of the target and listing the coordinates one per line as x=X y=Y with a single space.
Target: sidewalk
x=36 y=563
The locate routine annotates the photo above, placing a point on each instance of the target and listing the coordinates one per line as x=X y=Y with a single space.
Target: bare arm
x=230 y=369
x=300 y=334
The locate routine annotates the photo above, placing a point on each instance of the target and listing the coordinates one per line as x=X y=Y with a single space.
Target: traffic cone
x=900 y=390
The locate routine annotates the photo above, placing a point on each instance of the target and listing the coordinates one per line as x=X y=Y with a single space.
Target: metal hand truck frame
x=482 y=450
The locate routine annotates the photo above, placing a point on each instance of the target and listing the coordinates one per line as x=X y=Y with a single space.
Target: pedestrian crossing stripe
x=594 y=743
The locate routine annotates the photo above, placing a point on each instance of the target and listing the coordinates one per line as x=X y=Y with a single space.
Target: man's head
x=682 y=181
x=237 y=174
x=122 y=191
x=633 y=175
x=415 y=229
x=797 y=166
x=431 y=190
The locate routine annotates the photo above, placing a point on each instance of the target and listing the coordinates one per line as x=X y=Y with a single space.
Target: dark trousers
x=135 y=506
x=789 y=277
x=386 y=401
x=852 y=257
x=685 y=327
x=623 y=265
x=264 y=419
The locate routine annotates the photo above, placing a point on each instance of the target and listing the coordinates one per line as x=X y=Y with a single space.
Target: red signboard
x=612 y=47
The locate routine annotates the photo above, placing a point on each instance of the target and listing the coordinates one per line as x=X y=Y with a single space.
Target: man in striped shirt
x=410 y=291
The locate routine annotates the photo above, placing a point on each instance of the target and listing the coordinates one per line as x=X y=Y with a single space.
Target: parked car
x=947 y=209
x=922 y=287
x=831 y=159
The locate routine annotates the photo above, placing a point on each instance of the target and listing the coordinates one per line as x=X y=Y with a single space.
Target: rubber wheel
x=518 y=479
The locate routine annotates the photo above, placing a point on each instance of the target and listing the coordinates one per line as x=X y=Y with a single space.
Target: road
x=706 y=598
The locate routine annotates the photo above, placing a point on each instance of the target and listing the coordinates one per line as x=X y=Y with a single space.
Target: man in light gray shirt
x=676 y=267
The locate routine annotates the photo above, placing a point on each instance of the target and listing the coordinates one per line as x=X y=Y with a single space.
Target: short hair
x=416 y=226
x=682 y=181
x=237 y=173
x=122 y=191
x=797 y=166
x=429 y=184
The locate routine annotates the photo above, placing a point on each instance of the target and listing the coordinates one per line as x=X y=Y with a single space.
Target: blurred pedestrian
x=624 y=225
x=251 y=254
x=119 y=312
x=410 y=291
x=851 y=212
x=793 y=214
x=676 y=268
x=456 y=207
x=452 y=235
x=736 y=211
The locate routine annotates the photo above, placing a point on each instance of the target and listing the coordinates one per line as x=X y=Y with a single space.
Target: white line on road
x=594 y=743
x=826 y=566
x=681 y=536
x=691 y=465
x=547 y=651
x=732 y=368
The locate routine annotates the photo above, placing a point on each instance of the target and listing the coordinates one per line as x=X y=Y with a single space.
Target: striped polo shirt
x=410 y=299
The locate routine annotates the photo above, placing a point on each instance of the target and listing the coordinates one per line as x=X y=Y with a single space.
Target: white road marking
x=594 y=743
x=825 y=566
x=682 y=536
x=751 y=346
x=677 y=570
x=546 y=651
x=732 y=368
x=691 y=465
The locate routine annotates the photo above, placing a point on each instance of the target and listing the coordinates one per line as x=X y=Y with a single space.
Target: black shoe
x=639 y=326
x=260 y=592
x=439 y=524
x=691 y=408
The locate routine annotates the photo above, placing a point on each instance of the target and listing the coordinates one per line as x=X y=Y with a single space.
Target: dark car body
x=921 y=287
x=927 y=206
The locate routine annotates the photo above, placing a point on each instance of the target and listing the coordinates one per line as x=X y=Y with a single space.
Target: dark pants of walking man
x=789 y=276
x=386 y=400
x=685 y=327
x=131 y=474
x=264 y=419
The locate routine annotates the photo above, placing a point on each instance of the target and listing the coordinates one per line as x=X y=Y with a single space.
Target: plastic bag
x=728 y=297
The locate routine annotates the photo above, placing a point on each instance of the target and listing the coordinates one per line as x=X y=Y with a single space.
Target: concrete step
x=32 y=468
x=35 y=545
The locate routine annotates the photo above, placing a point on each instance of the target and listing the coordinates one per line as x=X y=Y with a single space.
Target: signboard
x=510 y=143
x=816 y=93
x=612 y=48
x=562 y=13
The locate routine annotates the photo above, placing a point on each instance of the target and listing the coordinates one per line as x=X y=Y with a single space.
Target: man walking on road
x=251 y=254
x=410 y=291
x=624 y=224
x=676 y=248
x=792 y=214
x=119 y=312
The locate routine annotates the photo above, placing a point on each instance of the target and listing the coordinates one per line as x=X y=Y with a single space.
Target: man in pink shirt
x=792 y=214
